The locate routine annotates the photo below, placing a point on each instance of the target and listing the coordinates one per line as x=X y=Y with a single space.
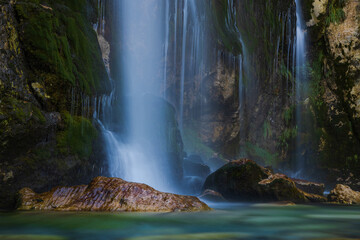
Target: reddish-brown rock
x=108 y=194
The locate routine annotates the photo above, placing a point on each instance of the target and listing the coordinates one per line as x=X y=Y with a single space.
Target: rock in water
x=310 y=187
x=344 y=194
x=108 y=194
x=238 y=180
x=212 y=196
x=244 y=180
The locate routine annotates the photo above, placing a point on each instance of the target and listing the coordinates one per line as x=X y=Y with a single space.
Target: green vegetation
x=262 y=155
x=267 y=130
x=193 y=143
x=336 y=13
x=61 y=48
x=226 y=27
x=285 y=72
x=21 y=112
x=288 y=114
x=78 y=136
x=287 y=134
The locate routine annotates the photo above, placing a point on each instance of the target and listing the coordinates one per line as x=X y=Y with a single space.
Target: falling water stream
x=301 y=89
x=137 y=153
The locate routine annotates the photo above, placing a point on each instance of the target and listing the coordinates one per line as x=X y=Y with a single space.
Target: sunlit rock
x=108 y=194
x=344 y=194
x=344 y=45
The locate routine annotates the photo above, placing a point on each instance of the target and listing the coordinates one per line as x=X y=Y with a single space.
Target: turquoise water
x=226 y=222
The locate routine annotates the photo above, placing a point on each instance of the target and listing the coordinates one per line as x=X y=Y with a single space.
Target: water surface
x=226 y=222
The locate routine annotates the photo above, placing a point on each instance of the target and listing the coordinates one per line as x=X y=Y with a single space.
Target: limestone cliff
x=334 y=31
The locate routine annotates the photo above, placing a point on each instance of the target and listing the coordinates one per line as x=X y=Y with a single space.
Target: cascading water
x=167 y=53
x=161 y=42
x=138 y=152
x=301 y=87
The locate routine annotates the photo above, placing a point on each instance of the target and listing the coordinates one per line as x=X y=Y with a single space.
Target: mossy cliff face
x=51 y=68
x=333 y=138
x=267 y=31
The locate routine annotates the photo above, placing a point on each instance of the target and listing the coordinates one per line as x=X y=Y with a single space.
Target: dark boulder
x=238 y=180
x=244 y=180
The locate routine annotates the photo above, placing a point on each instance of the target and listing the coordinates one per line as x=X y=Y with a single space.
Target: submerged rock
x=344 y=194
x=108 y=194
x=211 y=195
x=244 y=180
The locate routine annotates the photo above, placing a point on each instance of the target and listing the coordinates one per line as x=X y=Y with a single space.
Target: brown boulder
x=282 y=188
x=108 y=194
x=344 y=194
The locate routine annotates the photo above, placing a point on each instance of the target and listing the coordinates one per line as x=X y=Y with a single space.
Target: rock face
x=344 y=194
x=108 y=194
x=47 y=83
x=194 y=166
x=334 y=56
x=244 y=180
x=241 y=93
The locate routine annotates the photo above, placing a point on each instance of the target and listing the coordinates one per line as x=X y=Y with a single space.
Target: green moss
x=22 y=112
x=336 y=13
x=288 y=114
x=60 y=45
x=261 y=154
x=287 y=135
x=226 y=26
x=267 y=133
x=285 y=72
x=193 y=143
x=78 y=136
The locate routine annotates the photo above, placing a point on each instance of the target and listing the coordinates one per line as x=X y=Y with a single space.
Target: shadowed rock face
x=108 y=194
x=244 y=180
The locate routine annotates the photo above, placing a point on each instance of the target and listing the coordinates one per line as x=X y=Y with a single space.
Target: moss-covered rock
x=61 y=48
x=50 y=64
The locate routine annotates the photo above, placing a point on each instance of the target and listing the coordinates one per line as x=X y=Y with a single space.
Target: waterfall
x=138 y=151
x=301 y=86
x=162 y=47
x=183 y=58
